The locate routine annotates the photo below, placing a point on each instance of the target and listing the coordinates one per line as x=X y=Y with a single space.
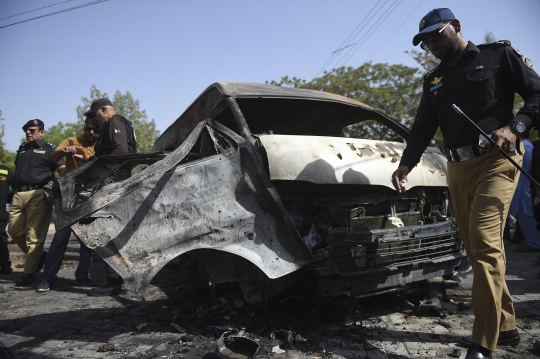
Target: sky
x=166 y=52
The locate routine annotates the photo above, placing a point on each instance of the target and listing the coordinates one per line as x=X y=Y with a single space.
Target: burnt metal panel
x=223 y=202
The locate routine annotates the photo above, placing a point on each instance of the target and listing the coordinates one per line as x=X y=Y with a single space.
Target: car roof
x=213 y=95
x=251 y=89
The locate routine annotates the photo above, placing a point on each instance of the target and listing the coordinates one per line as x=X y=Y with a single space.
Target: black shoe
x=42 y=260
x=25 y=281
x=478 y=352
x=509 y=337
x=105 y=291
x=87 y=282
x=44 y=286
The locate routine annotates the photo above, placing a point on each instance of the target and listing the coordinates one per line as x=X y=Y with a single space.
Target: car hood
x=334 y=160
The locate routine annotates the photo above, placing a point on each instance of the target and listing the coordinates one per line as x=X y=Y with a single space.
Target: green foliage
x=87 y=102
x=425 y=59
x=7 y=158
x=128 y=107
x=393 y=89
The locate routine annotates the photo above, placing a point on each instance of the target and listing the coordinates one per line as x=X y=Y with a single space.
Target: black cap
x=97 y=104
x=431 y=22
x=35 y=122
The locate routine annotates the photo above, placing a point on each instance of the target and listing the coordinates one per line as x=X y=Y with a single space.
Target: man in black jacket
x=116 y=137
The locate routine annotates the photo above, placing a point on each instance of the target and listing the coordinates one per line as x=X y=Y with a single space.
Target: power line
x=26 y=12
x=399 y=27
x=341 y=47
x=343 y=55
x=56 y=12
x=388 y=11
x=353 y=34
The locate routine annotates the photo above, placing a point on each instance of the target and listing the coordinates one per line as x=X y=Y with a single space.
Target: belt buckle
x=450 y=156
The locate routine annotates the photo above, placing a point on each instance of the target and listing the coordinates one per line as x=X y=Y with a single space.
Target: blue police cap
x=432 y=21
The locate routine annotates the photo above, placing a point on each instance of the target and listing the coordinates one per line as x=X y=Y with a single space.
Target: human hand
x=69 y=149
x=504 y=138
x=399 y=178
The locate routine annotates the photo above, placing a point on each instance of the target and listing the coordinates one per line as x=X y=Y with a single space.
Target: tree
x=7 y=158
x=128 y=107
x=489 y=37
x=393 y=89
x=87 y=102
x=2 y=132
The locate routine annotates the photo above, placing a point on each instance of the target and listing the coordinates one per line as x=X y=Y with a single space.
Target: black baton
x=458 y=110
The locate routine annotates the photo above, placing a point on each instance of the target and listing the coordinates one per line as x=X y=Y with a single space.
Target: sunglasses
x=433 y=36
x=88 y=128
x=31 y=130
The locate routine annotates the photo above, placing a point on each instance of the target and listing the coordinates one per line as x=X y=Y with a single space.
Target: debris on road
x=106 y=348
x=231 y=346
x=456 y=353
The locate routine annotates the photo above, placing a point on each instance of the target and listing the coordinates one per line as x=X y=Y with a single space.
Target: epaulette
x=430 y=71
x=52 y=145
x=499 y=42
x=22 y=145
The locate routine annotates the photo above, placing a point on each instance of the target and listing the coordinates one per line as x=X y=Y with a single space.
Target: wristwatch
x=518 y=128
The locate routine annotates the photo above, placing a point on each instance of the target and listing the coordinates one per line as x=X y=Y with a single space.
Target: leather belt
x=27 y=187
x=465 y=153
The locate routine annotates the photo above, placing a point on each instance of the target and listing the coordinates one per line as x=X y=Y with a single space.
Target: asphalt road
x=181 y=318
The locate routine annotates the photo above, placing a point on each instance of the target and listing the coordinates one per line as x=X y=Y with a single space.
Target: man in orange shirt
x=77 y=151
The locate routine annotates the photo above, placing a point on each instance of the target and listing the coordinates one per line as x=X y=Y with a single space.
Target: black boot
x=508 y=337
x=476 y=351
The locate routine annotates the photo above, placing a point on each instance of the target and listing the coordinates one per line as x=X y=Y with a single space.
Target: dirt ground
x=184 y=318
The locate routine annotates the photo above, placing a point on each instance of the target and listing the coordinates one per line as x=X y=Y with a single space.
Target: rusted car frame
x=247 y=176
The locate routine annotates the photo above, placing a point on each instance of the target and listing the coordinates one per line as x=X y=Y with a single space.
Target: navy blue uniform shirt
x=32 y=163
x=482 y=84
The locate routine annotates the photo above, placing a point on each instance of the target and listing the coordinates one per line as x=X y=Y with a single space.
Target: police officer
x=6 y=176
x=116 y=135
x=30 y=213
x=481 y=80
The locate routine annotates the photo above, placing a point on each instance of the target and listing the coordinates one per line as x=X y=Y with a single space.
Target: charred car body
x=269 y=186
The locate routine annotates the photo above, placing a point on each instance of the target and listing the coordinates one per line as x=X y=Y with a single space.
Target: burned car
x=269 y=187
